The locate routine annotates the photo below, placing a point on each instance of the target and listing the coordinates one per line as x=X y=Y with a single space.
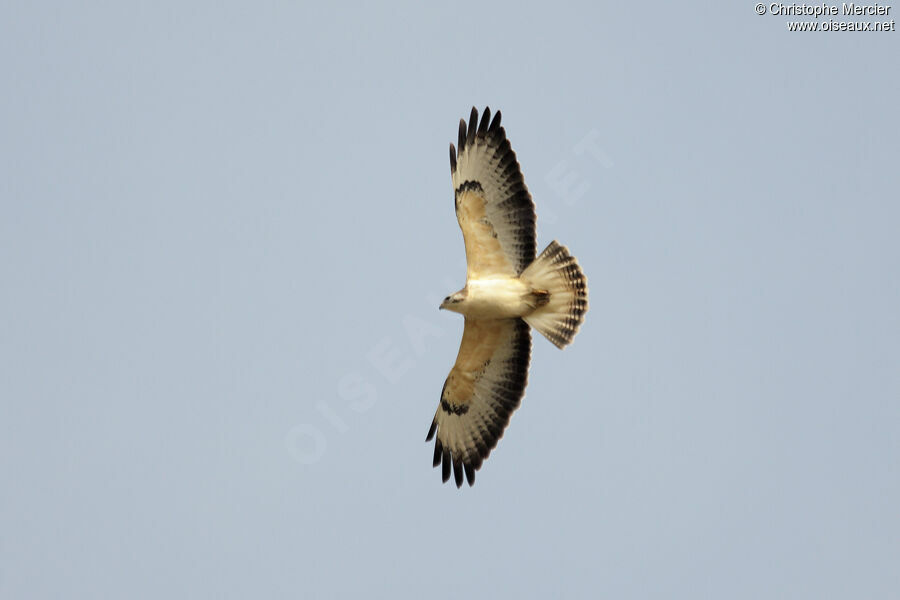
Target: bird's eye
x=447 y=299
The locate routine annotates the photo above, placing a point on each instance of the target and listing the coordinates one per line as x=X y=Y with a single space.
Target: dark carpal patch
x=454 y=409
x=469 y=186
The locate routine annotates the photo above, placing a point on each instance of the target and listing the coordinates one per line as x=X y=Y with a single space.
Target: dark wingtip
x=445 y=468
x=470 y=474
x=485 y=120
x=431 y=431
x=476 y=464
x=452 y=159
x=458 y=472
x=461 y=137
x=496 y=122
x=473 y=125
x=438 y=449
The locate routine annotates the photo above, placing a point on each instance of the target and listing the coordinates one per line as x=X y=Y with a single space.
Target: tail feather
x=557 y=272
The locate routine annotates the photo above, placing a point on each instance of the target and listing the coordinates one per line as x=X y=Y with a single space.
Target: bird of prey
x=507 y=292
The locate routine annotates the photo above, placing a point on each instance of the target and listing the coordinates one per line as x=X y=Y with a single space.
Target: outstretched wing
x=493 y=206
x=483 y=389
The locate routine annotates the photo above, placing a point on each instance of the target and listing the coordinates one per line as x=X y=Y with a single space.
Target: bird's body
x=507 y=292
x=494 y=298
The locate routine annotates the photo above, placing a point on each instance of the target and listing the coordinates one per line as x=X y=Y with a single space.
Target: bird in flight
x=507 y=292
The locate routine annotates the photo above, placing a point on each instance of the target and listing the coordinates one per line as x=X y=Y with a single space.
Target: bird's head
x=452 y=302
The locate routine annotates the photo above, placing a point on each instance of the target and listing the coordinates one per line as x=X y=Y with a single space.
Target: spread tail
x=557 y=272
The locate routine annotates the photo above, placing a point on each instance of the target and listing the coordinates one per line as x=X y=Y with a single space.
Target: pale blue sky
x=225 y=232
